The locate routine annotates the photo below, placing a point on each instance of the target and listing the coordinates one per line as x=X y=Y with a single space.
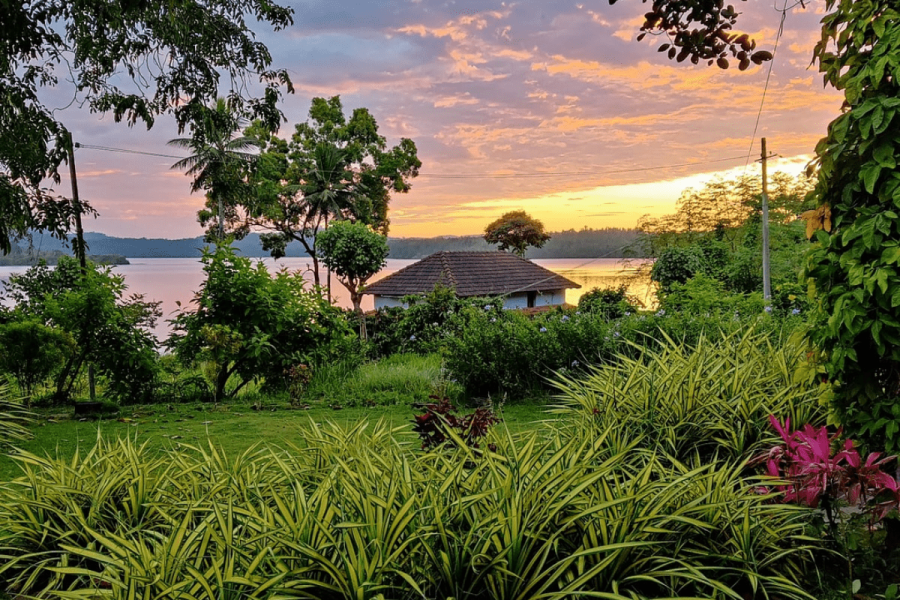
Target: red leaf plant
x=439 y=417
x=817 y=476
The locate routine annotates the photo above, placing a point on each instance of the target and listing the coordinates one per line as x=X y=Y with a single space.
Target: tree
x=333 y=167
x=108 y=329
x=852 y=266
x=32 y=352
x=251 y=325
x=515 y=231
x=219 y=160
x=168 y=57
x=700 y=30
x=355 y=253
x=722 y=207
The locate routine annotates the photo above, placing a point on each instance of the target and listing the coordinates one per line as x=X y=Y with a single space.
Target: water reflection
x=172 y=280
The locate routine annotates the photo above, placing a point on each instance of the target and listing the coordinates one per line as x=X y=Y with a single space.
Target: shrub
x=439 y=425
x=702 y=294
x=711 y=398
x=33 y=353
x=427 y=322
x=676 y=265
x=613 y=303
x=817 y=475
x=110 y=330
x=507 y=352
x=356 y=514
x=251 y=325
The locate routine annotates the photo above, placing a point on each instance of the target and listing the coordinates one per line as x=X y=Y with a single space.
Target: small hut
x=522 y=283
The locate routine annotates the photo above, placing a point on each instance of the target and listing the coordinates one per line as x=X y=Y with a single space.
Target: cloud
x=524 y=88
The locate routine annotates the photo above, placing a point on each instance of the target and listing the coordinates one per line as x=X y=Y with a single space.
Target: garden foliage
x=355 y=513
x=611 y=303
x=853 y=268
x=709 y=399
x=250 y=324
x=106 y=328
x=819 y=475
x=497 y=351
x=14 y=420
x=32 y=352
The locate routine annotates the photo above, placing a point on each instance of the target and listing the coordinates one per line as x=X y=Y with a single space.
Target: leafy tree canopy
x=853 y=268
x=218 y=162
x=354 y=253
x=252 y=325
x=701 y=30
x=135 y=59
x=332 y=167
x=516 y=231
x=722 y=207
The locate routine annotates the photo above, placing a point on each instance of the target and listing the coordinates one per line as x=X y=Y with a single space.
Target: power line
x=762 y=101
x=124 y=150
x=470 y=175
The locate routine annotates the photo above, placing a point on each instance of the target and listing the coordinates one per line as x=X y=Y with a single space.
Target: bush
x=397 y=379
x=677 y=265
x=33 y=353
x=507 y=352
x=703 y=295
x=356 y=514
x=254 y=326
x=425 y=326
x=711 y=398
x=110 y=331
x=612 y=303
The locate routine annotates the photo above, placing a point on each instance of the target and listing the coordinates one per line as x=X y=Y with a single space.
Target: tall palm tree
x=219 y=153
x=326 y=189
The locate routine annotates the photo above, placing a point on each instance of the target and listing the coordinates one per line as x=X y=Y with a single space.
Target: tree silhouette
x=515 y=231
x=219 y=160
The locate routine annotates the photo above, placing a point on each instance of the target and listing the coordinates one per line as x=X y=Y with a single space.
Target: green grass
x=397 y=379
x=234 y=427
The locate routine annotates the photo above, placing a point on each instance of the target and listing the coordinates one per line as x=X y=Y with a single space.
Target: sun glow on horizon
x=596 y=207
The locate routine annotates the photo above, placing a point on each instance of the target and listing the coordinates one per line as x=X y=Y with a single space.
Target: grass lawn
x=234 y=427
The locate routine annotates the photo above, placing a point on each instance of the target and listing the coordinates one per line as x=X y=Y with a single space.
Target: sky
x=545 y=105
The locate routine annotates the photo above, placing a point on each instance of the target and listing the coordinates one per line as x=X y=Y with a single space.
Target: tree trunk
x=221 y=211
x=315 y=260
x=356 y=298
x=311 y=250
x=221 y=380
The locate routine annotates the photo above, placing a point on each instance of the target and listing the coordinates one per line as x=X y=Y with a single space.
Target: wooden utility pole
x=79 y=232
x=79 y=241
x=767 y=283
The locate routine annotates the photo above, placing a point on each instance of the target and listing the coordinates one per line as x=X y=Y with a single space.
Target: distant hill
x=23 y=256
x=584 y=243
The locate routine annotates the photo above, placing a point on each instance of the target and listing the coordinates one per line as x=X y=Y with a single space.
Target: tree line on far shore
x=613 y=242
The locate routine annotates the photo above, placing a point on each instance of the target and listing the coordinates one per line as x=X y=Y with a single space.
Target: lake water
x=174 y=280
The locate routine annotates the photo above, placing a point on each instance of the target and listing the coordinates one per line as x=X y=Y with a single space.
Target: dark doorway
x=532 y=296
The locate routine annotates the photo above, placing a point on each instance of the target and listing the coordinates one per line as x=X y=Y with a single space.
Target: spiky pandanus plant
x=14 y=418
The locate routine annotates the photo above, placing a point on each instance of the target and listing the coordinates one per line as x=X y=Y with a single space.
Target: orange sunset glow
x=549 y=107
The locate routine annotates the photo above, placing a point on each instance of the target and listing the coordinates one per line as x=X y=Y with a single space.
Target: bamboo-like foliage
x=356 y=514
x=711 y=399
x=14 y=418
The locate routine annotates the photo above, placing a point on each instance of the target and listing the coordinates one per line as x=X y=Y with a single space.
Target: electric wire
x=469 y=175
x=762 y=101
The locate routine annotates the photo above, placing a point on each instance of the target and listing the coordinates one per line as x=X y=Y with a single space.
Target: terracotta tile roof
x=470 y=274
